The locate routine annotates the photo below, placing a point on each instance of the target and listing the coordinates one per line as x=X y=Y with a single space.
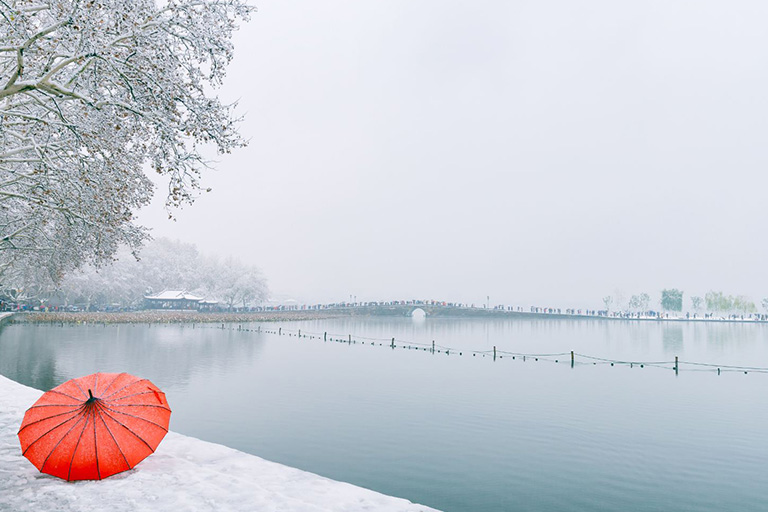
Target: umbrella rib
x=95 y=440
x=48 y=432
x=57 y=443
x=109 y=431
x=96 y=383
x=137 y=436
x=113 y=381
x=46 y=418
x=78 y=387
x=143 y=405
x=64 y=394
x=56 y=405
x=137 y=417
x=122 y=388
x=135 y=394
x=74 y=452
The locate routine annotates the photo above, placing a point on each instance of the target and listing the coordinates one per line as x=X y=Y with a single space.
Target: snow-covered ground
x=184 y=474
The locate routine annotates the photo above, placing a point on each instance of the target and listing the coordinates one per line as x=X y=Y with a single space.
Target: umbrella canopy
x=95 y=426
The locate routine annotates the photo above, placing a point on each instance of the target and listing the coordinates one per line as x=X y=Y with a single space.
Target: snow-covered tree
x=696 y=303
x=237 y=284
x=640 y=302
x=164 y=265
x=672 y=299
x=92 y=93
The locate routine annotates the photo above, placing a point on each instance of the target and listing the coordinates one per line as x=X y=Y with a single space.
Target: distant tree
x=607 y=300
x=672 y=299
x=238 y=284
x=696 y=302
x=744 y=305
x=718 y=301
x=640 y=302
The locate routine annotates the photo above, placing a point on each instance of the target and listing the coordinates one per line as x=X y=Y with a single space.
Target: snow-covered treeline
x=164 y=264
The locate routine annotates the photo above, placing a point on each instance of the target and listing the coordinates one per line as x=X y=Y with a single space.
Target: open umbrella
x=95 y=426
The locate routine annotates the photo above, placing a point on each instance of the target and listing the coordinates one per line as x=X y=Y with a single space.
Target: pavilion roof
x=173 y=295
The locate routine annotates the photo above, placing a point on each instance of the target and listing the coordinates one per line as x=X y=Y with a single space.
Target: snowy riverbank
x=153 y=316
x=185 y=474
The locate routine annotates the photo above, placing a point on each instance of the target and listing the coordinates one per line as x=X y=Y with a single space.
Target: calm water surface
x=456 y=432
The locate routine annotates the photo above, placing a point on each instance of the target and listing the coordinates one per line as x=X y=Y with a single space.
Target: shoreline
x=184 y=474
x=169 y=317
x=192 y=317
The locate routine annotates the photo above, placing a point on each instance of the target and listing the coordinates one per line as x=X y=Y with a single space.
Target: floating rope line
x=567 y=357
x=647 y=363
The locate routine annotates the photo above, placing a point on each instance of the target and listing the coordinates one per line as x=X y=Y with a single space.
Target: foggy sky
x=540 y=152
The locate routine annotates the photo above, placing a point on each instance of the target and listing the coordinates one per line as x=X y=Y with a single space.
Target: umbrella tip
x=90 y=394
x=91 y=399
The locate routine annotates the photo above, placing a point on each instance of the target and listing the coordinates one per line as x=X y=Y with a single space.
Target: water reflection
x=43 y=356
x=672 y=337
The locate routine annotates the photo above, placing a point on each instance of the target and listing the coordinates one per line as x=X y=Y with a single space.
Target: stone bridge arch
x=418 y=312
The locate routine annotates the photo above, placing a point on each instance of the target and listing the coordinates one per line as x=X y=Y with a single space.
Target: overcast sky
x=540 y=152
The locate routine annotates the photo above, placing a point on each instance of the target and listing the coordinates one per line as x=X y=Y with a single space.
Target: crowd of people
x=536 y=310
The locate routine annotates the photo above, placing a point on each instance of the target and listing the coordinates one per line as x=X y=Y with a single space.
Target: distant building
x=208 y=305
x=174 y=299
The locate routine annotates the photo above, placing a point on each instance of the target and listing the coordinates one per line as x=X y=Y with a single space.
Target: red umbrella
x=95 y=426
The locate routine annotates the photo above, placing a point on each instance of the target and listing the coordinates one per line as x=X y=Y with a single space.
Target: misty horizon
x=545 y=154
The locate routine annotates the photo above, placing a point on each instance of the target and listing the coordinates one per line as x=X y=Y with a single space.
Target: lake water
x=456 y=432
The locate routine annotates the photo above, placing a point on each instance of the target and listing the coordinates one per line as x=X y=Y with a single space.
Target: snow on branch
x=91 y=93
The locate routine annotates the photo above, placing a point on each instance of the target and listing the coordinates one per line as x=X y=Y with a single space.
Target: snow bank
x=184 y=474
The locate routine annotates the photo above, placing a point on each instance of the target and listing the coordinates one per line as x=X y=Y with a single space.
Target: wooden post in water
x=675 y=365
x=494 y=352
x=325 y=336
x=350 y=338
x=299 y=333
x=572 y=359
x=280 y=331
x=393 y=343
x=433 y=346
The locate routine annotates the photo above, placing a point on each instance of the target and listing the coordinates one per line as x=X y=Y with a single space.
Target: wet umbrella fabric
x=93 y=427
